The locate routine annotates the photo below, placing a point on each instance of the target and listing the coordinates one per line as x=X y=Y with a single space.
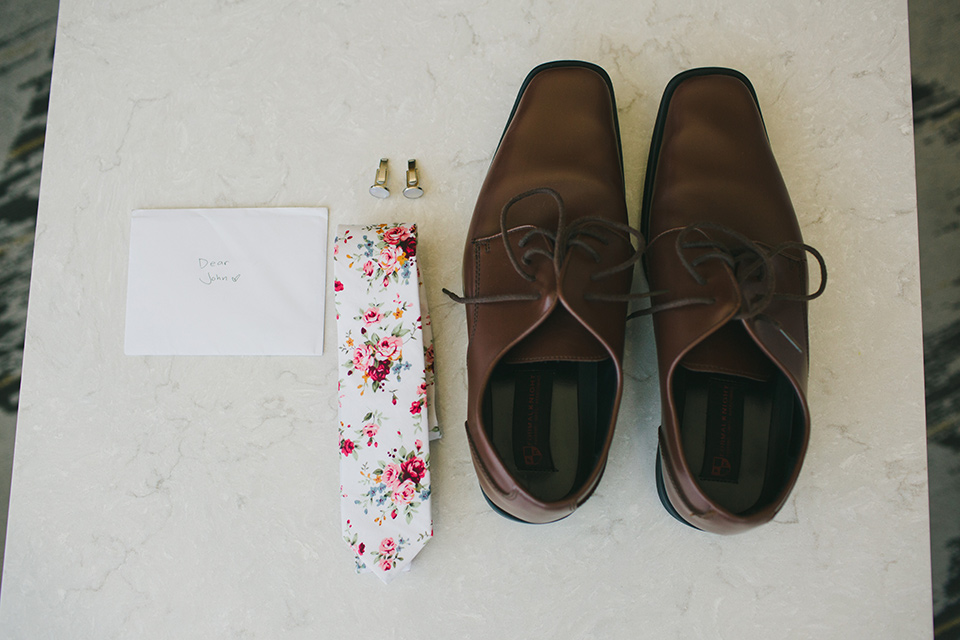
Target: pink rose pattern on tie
x=385 y=396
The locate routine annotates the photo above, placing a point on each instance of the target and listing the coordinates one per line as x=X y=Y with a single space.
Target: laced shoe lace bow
x=750 y=262
x=561 y=242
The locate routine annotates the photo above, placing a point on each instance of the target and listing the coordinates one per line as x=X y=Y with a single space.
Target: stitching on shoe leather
x=719 y=369
x=476 y=286
x=559 y=358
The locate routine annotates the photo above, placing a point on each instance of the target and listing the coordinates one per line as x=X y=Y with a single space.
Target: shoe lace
x=751 y=264
x=562 y=241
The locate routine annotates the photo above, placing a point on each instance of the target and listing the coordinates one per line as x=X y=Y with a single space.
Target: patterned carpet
x=26 y=47
x=935 y=50
x=27 y=33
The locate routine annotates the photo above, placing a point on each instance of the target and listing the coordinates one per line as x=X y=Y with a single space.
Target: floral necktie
x=386 y=383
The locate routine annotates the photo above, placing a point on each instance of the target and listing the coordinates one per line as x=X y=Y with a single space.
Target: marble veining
x=155 y=496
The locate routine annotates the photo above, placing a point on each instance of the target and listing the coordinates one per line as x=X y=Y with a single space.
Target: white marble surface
x=159 y=497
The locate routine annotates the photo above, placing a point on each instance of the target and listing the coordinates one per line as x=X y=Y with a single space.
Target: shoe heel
x=501 y=512
x=662 y=492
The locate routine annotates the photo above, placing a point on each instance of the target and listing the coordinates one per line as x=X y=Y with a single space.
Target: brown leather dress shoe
x=546 y=270
x=726 y=261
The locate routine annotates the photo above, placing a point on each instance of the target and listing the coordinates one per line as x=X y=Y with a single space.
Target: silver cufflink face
x=413 y=188
x=379 y=188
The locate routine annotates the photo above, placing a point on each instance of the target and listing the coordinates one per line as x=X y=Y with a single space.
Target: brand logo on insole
x=533 y=408
x=721 y=466
x=721 y=463
x=532 y=455
x=724 y=433
x=532 y=403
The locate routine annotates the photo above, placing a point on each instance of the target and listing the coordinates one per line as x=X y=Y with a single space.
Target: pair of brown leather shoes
x=547 y=277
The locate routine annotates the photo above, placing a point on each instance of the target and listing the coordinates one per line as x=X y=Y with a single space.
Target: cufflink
x=379 y=188
x=413 y=189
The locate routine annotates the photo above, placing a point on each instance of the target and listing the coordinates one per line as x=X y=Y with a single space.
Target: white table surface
x=177 y=497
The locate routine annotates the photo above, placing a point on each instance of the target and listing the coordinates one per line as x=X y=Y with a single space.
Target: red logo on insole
x=721 y=466
x=532 y=455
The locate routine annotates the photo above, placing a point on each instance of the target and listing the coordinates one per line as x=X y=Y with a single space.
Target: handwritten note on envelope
x=226 y=282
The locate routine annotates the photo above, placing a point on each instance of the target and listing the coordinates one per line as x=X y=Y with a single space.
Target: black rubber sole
x=501 y=511
x=512 y=517
x=658 y=126
x=662 y=492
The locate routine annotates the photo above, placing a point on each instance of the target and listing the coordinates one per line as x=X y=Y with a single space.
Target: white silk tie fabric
x=386 y=384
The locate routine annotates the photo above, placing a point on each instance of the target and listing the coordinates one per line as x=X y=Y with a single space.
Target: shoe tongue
x=559 y=337
x=730 y=350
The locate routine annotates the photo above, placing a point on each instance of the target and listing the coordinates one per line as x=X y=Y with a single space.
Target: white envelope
x=226 y=282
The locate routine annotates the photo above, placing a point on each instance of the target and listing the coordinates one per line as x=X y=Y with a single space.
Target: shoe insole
x=736 y=434
x=543 y=420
